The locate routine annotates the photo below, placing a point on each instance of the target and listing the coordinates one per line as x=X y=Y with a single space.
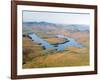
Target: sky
x=56 y=17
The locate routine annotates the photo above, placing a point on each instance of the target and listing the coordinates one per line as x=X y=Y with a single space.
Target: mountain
x=54 y=26
x=39 y=25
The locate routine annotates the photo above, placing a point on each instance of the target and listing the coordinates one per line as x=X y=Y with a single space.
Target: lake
x=58 y=47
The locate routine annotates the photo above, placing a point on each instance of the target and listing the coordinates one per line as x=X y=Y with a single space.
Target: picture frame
x=19 y=13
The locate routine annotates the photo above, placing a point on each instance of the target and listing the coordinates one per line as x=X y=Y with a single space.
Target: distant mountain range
x=53 y=26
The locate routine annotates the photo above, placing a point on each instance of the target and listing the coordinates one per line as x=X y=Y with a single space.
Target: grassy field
x=34 y=56
x=55 y=40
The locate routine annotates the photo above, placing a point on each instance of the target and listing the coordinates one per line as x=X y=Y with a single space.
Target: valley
x=36 y=55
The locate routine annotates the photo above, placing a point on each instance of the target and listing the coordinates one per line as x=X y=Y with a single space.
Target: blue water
x=71 y=42
x=37 y=39
x=59 y=47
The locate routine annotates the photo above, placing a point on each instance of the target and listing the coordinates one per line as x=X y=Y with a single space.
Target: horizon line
x=49 y=22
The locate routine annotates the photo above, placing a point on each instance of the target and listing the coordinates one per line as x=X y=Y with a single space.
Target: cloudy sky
x=56 y=17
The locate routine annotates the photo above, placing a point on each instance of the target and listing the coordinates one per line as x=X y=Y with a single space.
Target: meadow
x=35 y=56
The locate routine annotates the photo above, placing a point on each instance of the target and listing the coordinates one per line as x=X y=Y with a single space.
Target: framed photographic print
x=53 y=39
